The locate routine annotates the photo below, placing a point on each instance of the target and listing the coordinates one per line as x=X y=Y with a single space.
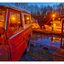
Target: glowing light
x=53 y=15
x=27 y=18
x=54 y=25
x=18 y=22
x=58 y=18
x=30 y=17
x=13 y=18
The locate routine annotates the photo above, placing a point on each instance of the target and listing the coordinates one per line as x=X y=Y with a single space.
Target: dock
x=47 y=32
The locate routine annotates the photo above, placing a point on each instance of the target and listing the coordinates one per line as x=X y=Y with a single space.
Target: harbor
x=31 y=33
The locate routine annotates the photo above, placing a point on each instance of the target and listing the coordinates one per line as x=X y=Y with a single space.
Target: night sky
x=45 y=4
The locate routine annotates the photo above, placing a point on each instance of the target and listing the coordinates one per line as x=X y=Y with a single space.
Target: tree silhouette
x=43 y=13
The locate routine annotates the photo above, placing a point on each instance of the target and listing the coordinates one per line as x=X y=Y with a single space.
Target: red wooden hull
x=16 y=41
x=16 y=46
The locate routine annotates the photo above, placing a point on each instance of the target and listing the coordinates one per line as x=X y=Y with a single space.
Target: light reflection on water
x=50 y=40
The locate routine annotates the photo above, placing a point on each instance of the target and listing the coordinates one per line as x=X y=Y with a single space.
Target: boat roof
x=15 y=8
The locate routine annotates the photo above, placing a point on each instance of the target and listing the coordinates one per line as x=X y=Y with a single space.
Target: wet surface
x=44 y=47
x=36 y=53
x=49 y=40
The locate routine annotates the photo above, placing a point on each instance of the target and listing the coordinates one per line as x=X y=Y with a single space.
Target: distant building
x=56 y=23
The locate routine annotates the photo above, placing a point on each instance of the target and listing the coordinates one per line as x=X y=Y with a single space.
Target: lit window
x=2 y=18
x=27 y=19
x=14 y=21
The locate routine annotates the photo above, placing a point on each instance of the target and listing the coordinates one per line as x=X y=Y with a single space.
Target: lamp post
x=52 y=22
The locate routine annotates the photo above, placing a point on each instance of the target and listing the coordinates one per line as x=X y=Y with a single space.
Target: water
x=49 y=40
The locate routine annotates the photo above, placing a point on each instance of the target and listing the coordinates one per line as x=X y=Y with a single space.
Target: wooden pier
x=47 y=32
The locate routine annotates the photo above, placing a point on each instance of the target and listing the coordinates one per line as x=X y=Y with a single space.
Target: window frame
x=5 y=9
x=17 y=30
x=27 y=20
x=26 y=26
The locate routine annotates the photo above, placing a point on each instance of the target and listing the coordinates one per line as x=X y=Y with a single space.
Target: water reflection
x=50 y=40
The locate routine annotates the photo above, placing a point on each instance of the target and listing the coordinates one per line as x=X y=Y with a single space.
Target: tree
x=31 y=9
x=41 y=9
x=37 y=10
x=60 y=9
x=22 y=5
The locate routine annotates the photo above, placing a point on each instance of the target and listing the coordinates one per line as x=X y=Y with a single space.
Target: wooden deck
x=48 y=32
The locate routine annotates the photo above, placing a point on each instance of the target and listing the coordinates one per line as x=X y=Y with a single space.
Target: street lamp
x=51 y=18
x=53 y=15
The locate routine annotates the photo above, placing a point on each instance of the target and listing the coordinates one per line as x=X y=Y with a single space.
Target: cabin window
x=14 y=21
x=27 y=19
x=2 y=18
x=58 y=25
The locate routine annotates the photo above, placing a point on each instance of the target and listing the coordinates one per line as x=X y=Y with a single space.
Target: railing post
x=62 y=27
x=52 y=28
